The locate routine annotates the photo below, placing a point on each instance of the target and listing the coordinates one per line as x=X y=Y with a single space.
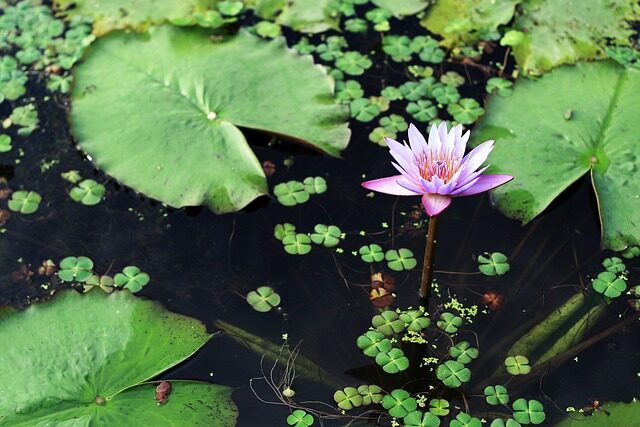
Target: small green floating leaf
x=326 y=235
x=451 y=78
x=297 y=244
x=466 y=111
x=388 y=323
x=631 y=252
x=465 y=420
x=394 y=123
x=230 y=8
x=449 y=322
x=373 y=342
x=453 y=374
x=517 y=365
x=282 y=230
x=509 y=422
x=379 y=134
x=371 y=253
x=291 y=193
x=88 y=192
x=25 y=202
x=528 y=411
x=400 y=8
x=496 y=395
x=315 y=184
x=300 y=418
x=348 y=398
x=268 y=30
x=502 y=87
x=397 y=47
x=415 y=320
x=614 y=264
x=463 y=352
x=371 y=394
x=401 y=259
x=512 y=38
x=422 y=110
x=131 y=278
x=263 y=299
x=363 y=110
x=78 y=269
x=494 y=264
x=26 y=117
x=399 y=403
x=439 y=407
x=421 y=419
x=446 y=94
x=103 y=282
x=608 y=284
x=356 y=25
x=393 y=361
x=348 y=90
x=353 y=63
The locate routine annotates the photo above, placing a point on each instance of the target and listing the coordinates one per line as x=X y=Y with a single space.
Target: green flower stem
x=427 y=265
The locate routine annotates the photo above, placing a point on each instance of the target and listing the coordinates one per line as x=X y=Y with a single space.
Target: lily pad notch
x=176 y=100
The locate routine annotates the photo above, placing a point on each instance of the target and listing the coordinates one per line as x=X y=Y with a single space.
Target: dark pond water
x=201 y=264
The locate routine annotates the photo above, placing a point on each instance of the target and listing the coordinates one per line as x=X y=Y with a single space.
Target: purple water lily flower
x=438 y=170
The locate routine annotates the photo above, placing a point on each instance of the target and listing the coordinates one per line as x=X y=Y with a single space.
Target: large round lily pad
x=82 y=359
x=574 y=121
x=159 y=112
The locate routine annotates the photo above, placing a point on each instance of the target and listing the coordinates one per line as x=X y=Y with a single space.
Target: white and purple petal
x=484 y=183
x=434 y=204
x=389 y=185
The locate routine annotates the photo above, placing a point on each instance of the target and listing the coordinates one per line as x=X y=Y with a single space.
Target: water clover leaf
x=348 y=398
x=420 y=419
x=451 y=78
x=392 y=93
x=103 y=282
x=509 y=422
x=371 y=394
x=388 y=322
x=378 y=135
x=397 y=47
x=512 y=38
x=631 y=252
x=401 y=8
x=230 y=8
x=614 y=264
x=88 y=192
x=353 y=63
x=608 y=284
x=5 y=143
x=439 y=407
x=378 y=15
x=348 y=90
x=78 y=269
x=446 y=94
x=300 y=418
x=25 y=202
x=415 y=320
x=399 y=403
x=394 y=122
x=315 y=184
x=373 y=342
x=282 y=230
x=496 y=395
x=517 y=365
x=401 y=259
x=263 y=299
x=26 y=117
x=393 y=361
x=356 y=25
x=291 y=193
x=432 y=54
x=605 y=152
x=463 y=352
x=218 y=169
x=297 y=244
x=453 y=374
x=422 y=110
x=363 y=110
x=465 y=420
x=131 y=278
x=493 y=264
x=371 y=253
x=304 y=46
x=268 y=29
x=413 y=91
x=502 y=87
x=466 y=111
x=449 y=322
x=326 y=235
x=528 y=411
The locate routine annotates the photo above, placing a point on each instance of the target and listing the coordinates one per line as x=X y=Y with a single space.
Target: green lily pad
x=449 y=322
x=326 y=235
x=611 y=414
x=297 y=244
x=465 y=420
x=608 y=284
x=315 y=184
x=439 y=407
x=463 y=352
x=78 y=269
x=393 y=361
x=25 y=202
x=373 y=342
x=371 y=253
x=5 y=143
x=263 y=299
x=300 y=418
x=421 y=419
x=631 y=252
x=582 y=134
x=399 y=403
x=401 y=259
x=517 y=365
x=581 y=34
x=102 y=369
x=291 y=193
x=218 y=169
x=88 y=192
x=371 y=394
x=388 y=323
x=494 y=264
x=496 y=395
x=131 y=278
x=453 y=374
x=230 y=8
x=528 y=411
x=348 y=398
